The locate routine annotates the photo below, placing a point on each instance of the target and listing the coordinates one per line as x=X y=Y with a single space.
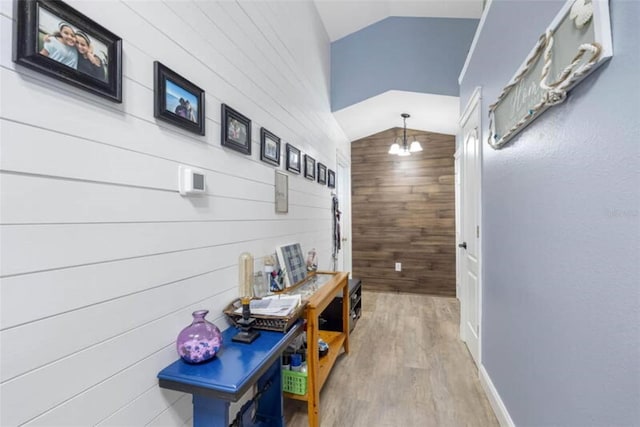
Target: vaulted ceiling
x=343 y=17
x=429 y=112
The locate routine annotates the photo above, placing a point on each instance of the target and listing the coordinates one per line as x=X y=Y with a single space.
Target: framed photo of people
x=322 y=173
x=176 y=100
x=293 y=159
x=269 y=147
x=54 y=39
x=236 y=130
x=309 y=167
x=331 y=179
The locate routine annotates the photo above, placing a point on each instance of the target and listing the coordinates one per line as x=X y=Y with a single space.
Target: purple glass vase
x=199 y=341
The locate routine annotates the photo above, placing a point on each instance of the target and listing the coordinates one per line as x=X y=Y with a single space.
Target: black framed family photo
x=269 y=147
x=293 y=159
x=322 y=173
x=176 y=100
x=331 y=179
x=309 y=167
x=54 y=39
x=236 y=130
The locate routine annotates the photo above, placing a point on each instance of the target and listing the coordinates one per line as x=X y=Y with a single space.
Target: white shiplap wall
x=102 y=261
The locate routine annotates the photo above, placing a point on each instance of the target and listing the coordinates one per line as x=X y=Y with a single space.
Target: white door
x=343 y=191
x=469 y=245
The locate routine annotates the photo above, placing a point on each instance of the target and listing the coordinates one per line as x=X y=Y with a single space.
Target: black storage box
x=331 y=318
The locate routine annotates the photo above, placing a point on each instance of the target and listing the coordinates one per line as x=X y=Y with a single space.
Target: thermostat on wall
x=191 y=181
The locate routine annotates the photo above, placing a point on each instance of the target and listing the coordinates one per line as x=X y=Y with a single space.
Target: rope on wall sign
x=556 y=92
x=537 y=51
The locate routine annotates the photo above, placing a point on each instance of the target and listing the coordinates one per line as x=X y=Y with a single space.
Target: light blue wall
x=400 y=53
x=561 y=221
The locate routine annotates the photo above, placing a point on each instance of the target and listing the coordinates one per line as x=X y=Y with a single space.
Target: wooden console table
x=318 y=290
x=225 y=378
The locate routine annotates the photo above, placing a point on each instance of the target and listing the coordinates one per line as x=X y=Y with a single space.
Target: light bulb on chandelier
x=401 y=146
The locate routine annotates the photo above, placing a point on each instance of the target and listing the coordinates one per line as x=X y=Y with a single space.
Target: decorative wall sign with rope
x=576 y=43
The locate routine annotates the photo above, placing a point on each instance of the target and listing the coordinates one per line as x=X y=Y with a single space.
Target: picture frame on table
x=293 y=159
x=322 y=173
x=176 y=100
x=331 y=179
x=269 y=147
x=309 y=167
x=56 y=40
x=236 y=130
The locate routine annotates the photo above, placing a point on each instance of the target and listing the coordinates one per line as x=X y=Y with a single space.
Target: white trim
x=476 y=36
x=478 y=90
x=342 y=161
x=494 y=399
x=458 y=187
x=475 y=100
x=602 y=30
x=476 y=96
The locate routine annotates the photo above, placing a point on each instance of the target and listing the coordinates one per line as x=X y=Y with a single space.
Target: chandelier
x=401 y=146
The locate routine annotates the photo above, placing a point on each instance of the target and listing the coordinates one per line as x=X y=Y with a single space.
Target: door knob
x=463 y=245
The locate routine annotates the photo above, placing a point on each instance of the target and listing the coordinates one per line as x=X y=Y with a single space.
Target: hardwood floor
x=407 y=367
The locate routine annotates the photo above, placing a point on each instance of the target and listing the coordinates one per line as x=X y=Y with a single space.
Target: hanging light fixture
x=401 y=146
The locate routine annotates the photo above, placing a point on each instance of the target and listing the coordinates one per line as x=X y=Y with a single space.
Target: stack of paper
x=275 y=305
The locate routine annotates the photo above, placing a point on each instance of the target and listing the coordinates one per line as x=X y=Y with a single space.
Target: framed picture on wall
x=322 y=173
x=282 y=192
x=309 y=167
x=236 y=130
x=293 y=159
x=331 y=179
x=176 y=100
x=269 y=147
x=54 y=39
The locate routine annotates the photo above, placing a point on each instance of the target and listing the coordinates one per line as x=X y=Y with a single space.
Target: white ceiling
x=343 y=17
x=432 y=113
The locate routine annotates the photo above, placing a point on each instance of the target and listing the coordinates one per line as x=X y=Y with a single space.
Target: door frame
x=457 y=166
x=343 y=192
x=475 y=99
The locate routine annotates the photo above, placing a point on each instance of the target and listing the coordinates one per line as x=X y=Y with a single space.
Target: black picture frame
x=36 y=46
x=309 y=167
x=173 y=99
x=269 y=147
x=322 y=173
x=236 y=130
x=331 y=179
x=293 y=159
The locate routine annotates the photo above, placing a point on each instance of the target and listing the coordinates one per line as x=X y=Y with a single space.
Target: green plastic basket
x=294 y=382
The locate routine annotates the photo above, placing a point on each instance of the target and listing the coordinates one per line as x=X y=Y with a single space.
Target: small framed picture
x=331 y=179
x=293 y=159
x=176 y=100
x=322 y=173
x=54 y=39
x=309 y=167
x=269 y=147
x=282 y=192
x=236 y=130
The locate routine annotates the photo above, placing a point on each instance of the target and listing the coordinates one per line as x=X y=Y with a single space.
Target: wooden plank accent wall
x=403 y=210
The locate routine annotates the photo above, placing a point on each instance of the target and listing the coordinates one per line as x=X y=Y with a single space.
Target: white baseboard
x=494 y=399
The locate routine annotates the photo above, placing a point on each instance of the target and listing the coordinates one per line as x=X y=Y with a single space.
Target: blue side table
x=227 y=377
